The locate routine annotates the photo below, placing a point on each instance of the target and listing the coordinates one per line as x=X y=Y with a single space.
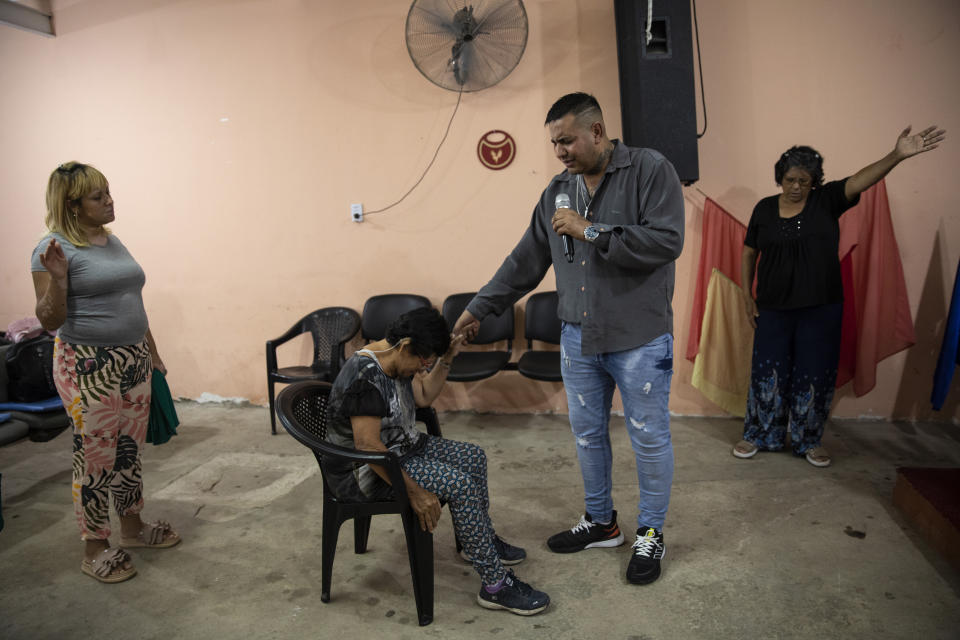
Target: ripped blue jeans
x=643 y=376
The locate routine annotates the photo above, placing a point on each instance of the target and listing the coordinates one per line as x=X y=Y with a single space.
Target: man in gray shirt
x=625 y=224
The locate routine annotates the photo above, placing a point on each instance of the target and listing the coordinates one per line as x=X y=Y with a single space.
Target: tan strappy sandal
x=107 y=566
x=154 y=535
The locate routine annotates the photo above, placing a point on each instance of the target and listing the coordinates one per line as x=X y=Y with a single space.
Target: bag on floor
x=30 y=370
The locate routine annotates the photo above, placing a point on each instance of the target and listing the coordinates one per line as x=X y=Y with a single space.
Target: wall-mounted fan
x=465 y=46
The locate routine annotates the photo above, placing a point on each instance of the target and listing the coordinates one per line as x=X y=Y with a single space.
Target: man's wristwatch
x=591 y=233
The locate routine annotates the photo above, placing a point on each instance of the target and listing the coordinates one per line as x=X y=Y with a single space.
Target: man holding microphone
x=612 y=226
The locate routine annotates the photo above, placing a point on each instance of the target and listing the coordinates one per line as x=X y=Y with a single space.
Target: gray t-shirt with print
x=363 y=389
x=104 y=302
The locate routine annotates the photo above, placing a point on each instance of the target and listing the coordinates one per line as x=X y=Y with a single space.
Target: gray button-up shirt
x=620 y=287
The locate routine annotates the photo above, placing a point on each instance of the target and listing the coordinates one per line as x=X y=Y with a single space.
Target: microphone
x=563 y=202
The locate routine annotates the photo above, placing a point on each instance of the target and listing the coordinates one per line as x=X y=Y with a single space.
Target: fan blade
x=504 y=13
x=424 y=20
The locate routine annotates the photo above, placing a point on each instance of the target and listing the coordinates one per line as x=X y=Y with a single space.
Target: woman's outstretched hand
x=908 y=145
x=911 y=144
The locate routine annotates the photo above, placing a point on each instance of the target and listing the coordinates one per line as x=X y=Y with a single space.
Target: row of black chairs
x=302 y=411
x=333 y=327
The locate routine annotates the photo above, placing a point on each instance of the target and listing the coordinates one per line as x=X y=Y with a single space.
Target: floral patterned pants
x=106 y=392
x=794 y=372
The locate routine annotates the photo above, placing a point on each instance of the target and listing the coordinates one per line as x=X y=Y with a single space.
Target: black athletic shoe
x=509 y=554
x=515 y=596
x=648 y=549
x=586 y=535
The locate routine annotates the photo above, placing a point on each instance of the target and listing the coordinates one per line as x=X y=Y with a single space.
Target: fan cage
x=466 y=46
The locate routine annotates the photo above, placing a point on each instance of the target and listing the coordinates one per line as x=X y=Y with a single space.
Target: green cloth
x=163 y=417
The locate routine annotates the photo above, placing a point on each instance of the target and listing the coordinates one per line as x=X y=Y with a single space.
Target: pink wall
x=236 y=135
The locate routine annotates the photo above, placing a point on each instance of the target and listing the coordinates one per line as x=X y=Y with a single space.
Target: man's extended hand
x=466 y=325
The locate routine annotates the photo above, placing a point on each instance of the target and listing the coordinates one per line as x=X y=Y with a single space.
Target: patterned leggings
x=456 y=472
x=106 y=391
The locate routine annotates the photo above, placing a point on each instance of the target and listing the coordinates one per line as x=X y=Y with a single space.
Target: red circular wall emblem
x=496 y=149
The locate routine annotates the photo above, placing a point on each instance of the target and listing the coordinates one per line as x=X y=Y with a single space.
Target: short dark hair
x=804 y=157
x=579 y=104
x=428 y=332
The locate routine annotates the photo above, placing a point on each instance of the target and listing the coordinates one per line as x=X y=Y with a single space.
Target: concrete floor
x=763 y=548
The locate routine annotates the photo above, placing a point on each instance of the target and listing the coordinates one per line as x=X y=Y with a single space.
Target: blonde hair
x=67 y=185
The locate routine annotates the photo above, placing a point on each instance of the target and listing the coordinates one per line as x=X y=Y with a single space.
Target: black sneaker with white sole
x=648 y=550
x=509 y=554
x=587 y=534
x=514 y=596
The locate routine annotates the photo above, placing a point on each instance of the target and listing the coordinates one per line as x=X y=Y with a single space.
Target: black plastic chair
x=331 y=329
x=476 y=365
x=380 y=311
x=541 y=323
x=302 y=410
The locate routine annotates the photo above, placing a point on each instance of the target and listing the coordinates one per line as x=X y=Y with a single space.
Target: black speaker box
x=657 y=95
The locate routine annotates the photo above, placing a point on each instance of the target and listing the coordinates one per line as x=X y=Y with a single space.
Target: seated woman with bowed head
x=799 y=305
x=88 y=290
x=372 y=407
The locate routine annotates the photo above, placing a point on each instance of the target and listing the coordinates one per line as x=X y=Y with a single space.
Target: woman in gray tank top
x=88 y=290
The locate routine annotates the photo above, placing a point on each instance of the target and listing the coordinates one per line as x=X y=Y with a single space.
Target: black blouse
x=798 y=265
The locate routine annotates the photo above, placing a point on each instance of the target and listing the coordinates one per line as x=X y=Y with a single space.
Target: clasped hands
x=457 y=341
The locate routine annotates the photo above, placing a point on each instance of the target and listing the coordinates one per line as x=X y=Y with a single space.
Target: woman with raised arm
x=88 y=290
x=799 y=303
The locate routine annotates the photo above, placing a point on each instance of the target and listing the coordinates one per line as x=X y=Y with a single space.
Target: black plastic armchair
x=541 y=323
x=380 y=311
x=476 y=365
x=302 y=410
x=331 y=328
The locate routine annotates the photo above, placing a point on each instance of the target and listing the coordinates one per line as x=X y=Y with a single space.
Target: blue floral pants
x=793 y=376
